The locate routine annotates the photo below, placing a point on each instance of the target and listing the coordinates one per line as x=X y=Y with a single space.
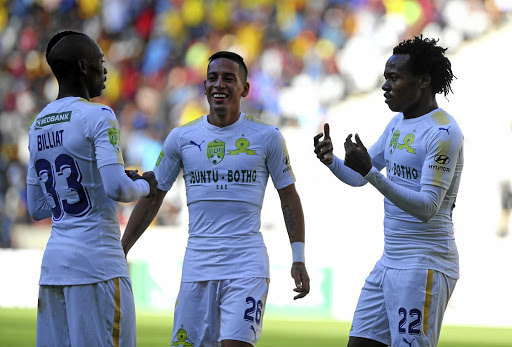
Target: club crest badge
x=215 y=151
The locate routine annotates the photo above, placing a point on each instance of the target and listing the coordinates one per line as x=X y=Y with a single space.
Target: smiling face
x=224 y=87
x=403 y=90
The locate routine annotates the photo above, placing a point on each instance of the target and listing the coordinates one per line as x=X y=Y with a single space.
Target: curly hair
x=428 y=58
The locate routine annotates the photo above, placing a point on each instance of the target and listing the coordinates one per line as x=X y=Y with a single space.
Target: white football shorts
x=98 y=314
x=402 y=307
x=208 y=312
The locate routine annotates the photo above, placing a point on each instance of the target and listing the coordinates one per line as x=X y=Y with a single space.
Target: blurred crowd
x=303 y=58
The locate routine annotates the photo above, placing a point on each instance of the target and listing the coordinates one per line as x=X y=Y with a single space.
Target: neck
x=68 y=88
x=421 y=110
x=222 y=120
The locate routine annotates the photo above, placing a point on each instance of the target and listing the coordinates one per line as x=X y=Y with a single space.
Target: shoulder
x=89 y=107
x=191 y=126
x=442 y=120
x=259 y=126
x=176 y=135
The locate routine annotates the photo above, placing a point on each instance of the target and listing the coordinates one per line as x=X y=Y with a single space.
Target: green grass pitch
x=18 y=328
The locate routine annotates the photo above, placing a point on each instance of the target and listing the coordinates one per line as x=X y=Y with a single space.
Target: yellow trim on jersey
x=441 y=118
x=117 y=313
x=93 y=103
x=428 y=300
x=192 y=122
x=251 y=118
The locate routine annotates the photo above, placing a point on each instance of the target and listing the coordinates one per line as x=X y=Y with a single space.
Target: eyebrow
x=221 y=73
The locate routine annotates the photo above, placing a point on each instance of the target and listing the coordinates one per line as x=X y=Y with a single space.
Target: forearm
x=141 y=217
x=422 y=205
x=292 y=213
x=119 y=186
x=37 y=205
x=346 y=174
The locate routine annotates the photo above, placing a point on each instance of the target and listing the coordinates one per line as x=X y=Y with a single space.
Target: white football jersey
x=225 y=172
x=69 y=141
x=427 y=150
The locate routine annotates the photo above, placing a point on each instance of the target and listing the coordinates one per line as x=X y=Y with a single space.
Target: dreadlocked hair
x=428 y=58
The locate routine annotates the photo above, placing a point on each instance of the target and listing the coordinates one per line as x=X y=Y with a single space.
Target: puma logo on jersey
x=409 y=343
x=252 y=327
x=447 y=129
x=198 y=145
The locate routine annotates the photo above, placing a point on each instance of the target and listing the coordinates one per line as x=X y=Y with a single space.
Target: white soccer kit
x=422 y=256
x=421 y=151
x=225 y=171
x=70 y=139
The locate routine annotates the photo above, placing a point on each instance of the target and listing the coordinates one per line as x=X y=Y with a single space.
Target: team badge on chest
x=215 y=151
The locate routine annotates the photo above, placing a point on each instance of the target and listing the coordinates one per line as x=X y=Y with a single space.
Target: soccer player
x=75 y=173
x=405 y=296
x=226 y=157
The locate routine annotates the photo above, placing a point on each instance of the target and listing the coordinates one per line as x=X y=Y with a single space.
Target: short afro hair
x=57 y=37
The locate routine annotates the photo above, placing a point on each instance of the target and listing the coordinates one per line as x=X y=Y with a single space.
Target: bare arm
x=294 y=220
x=141 y=217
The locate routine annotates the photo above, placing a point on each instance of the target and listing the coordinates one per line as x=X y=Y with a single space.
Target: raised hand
x=356 y=156
x=324 y=148
x=301 y=278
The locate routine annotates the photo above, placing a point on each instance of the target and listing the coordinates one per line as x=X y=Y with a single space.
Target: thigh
x=416 y=300
x=101 y=314
x=241 y=309
x=370 y=317
x=52 y=326
x=196 y=314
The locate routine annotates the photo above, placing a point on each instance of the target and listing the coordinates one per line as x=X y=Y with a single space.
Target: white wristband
x=298 y=252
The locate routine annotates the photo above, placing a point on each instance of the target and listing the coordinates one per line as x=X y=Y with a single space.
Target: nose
x=105 y=71
x=385 y=86
x=219 y=83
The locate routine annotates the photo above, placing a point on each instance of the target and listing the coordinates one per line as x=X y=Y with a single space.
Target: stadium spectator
x=406 y=294
x=75 y=174
x=227 y=157
x=156 y=51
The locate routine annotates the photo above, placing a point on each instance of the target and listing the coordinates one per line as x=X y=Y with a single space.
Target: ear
x=204 y=87
x=424 y=81
x=82 y=66
x=247 y=87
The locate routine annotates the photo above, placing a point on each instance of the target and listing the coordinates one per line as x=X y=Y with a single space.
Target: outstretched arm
x=141 y=217
x=121 y=186
x=294 y=220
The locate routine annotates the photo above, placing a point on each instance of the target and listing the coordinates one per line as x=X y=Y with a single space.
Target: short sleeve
x=443 y=152
x=168 y=164
x=104 y=131
x=278 y=160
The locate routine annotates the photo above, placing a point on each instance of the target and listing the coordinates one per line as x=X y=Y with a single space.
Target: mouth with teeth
x=219 y=96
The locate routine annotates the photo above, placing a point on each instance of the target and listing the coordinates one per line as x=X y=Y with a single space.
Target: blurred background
x=309 y=62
